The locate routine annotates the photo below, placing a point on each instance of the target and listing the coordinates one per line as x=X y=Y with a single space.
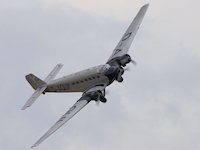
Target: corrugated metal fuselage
x=80 y=81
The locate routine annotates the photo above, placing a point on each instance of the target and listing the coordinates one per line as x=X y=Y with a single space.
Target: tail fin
x=39 y=85
x=34 y=81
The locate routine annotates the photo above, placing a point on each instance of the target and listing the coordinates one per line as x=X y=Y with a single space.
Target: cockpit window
x=105 y=67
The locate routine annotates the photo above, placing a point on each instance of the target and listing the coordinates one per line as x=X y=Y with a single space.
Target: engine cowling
x=120 y=61
x=119 y=76
x=123 y=60
x=95 y=95
x=116 y=70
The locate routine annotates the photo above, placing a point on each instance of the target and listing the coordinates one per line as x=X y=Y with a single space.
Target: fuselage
x=80 y=81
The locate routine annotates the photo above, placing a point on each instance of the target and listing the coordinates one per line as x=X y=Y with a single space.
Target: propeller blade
x=98 y=103
x=134 y=62
x=127 y=69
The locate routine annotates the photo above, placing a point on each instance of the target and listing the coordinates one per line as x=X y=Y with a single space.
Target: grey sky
x=156 y=107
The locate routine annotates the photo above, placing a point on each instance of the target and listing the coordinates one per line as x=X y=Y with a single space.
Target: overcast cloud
x=156 y=107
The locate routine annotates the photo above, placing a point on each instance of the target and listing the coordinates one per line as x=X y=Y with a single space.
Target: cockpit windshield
x=105 y=67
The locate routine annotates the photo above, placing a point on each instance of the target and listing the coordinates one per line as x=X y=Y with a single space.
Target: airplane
x=91 y=82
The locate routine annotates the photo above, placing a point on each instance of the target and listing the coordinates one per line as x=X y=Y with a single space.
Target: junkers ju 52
x=91 y=82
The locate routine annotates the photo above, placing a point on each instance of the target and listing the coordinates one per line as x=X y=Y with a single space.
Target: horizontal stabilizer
x=35 y=95
x=40 y=85
x=34 y=81
x=53 y=73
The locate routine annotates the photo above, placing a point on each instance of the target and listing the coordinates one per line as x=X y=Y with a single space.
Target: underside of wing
x=68 y=115
x=95 y=93
x=126 y=40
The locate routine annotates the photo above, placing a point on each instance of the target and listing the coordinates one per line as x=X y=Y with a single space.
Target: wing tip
x=33 y=146
x=60 y=64
x=24 y=107
x=145 y=6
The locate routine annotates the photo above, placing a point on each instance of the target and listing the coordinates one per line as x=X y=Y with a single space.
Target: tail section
x=34 y=81
x=34 y=96
x=53 y=73
x=39 y=85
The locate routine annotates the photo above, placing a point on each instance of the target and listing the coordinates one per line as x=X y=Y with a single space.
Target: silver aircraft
x=92 y=82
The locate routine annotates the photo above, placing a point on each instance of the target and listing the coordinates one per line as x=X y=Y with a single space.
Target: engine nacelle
x=116 y=70
x=119 y=76
x=123 y=60
x=97 y=96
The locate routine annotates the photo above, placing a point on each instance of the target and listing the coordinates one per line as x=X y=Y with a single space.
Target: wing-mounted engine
x=116 y=69
x=119 y=57
x=121 y=60
x=94 y=95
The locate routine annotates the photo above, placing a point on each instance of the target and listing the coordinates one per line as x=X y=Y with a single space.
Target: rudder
x=34 y=81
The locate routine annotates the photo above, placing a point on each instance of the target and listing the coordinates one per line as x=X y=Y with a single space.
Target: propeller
x=133 y=62
x=127 y=69
x=98 y=103
x=107 y=92
x=104 y=92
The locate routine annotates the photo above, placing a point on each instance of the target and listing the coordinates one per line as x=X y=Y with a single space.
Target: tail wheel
x=103 y=99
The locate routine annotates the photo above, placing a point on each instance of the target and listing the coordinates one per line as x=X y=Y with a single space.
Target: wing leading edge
x=126 y=40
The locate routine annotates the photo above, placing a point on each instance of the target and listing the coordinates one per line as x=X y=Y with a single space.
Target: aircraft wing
x=82 y=102
x=126 y=40
x=67 y=116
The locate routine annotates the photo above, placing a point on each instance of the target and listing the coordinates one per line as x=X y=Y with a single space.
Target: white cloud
x=156 y=107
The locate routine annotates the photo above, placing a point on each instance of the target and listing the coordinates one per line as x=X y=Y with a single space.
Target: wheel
x=120 y=79
x=103 y=99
